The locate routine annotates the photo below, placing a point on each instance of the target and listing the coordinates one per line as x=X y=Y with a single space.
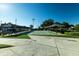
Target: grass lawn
x=21 y=36
x=68 y=36
x=5 y=46
x=53 y=34
x=47 y=33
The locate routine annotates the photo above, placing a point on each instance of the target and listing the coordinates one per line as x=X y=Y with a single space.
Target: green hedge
x=72 y=33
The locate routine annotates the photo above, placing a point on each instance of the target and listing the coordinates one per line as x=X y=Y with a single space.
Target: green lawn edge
x=5 y=46
x=22 y=36
x=68 y=36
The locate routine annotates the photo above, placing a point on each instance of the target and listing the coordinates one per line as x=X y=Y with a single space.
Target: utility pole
x=33 y=21
x=38 y=24
x=16 y=25
x=0 y=22
x=1 y=28
x=16 y=21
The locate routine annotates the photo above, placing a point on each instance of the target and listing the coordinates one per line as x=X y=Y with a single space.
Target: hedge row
x=72 y=33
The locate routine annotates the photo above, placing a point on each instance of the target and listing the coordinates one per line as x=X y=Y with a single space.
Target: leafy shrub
x=72 y=33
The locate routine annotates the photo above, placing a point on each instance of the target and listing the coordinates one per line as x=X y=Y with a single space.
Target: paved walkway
x=41 y=46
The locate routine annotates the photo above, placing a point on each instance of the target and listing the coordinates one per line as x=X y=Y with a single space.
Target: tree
x=47 y=23
x=31 y=26
x=58 y=23
x=66 y=25
x=76 y=27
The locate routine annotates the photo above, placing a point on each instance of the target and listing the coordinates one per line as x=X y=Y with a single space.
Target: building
x=8 y=28
x=56 y=27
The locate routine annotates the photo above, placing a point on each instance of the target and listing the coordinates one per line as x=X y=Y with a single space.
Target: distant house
x=12 y=28
x=56 y=27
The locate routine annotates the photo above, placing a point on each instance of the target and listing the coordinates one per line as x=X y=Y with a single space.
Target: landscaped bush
x=72 y=33
x=63 y=31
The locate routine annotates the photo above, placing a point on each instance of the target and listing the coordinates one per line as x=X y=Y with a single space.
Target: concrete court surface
x=64 y=46
x=41 y=46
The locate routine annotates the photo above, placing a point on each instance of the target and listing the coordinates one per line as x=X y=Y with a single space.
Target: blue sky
x=25 y=12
